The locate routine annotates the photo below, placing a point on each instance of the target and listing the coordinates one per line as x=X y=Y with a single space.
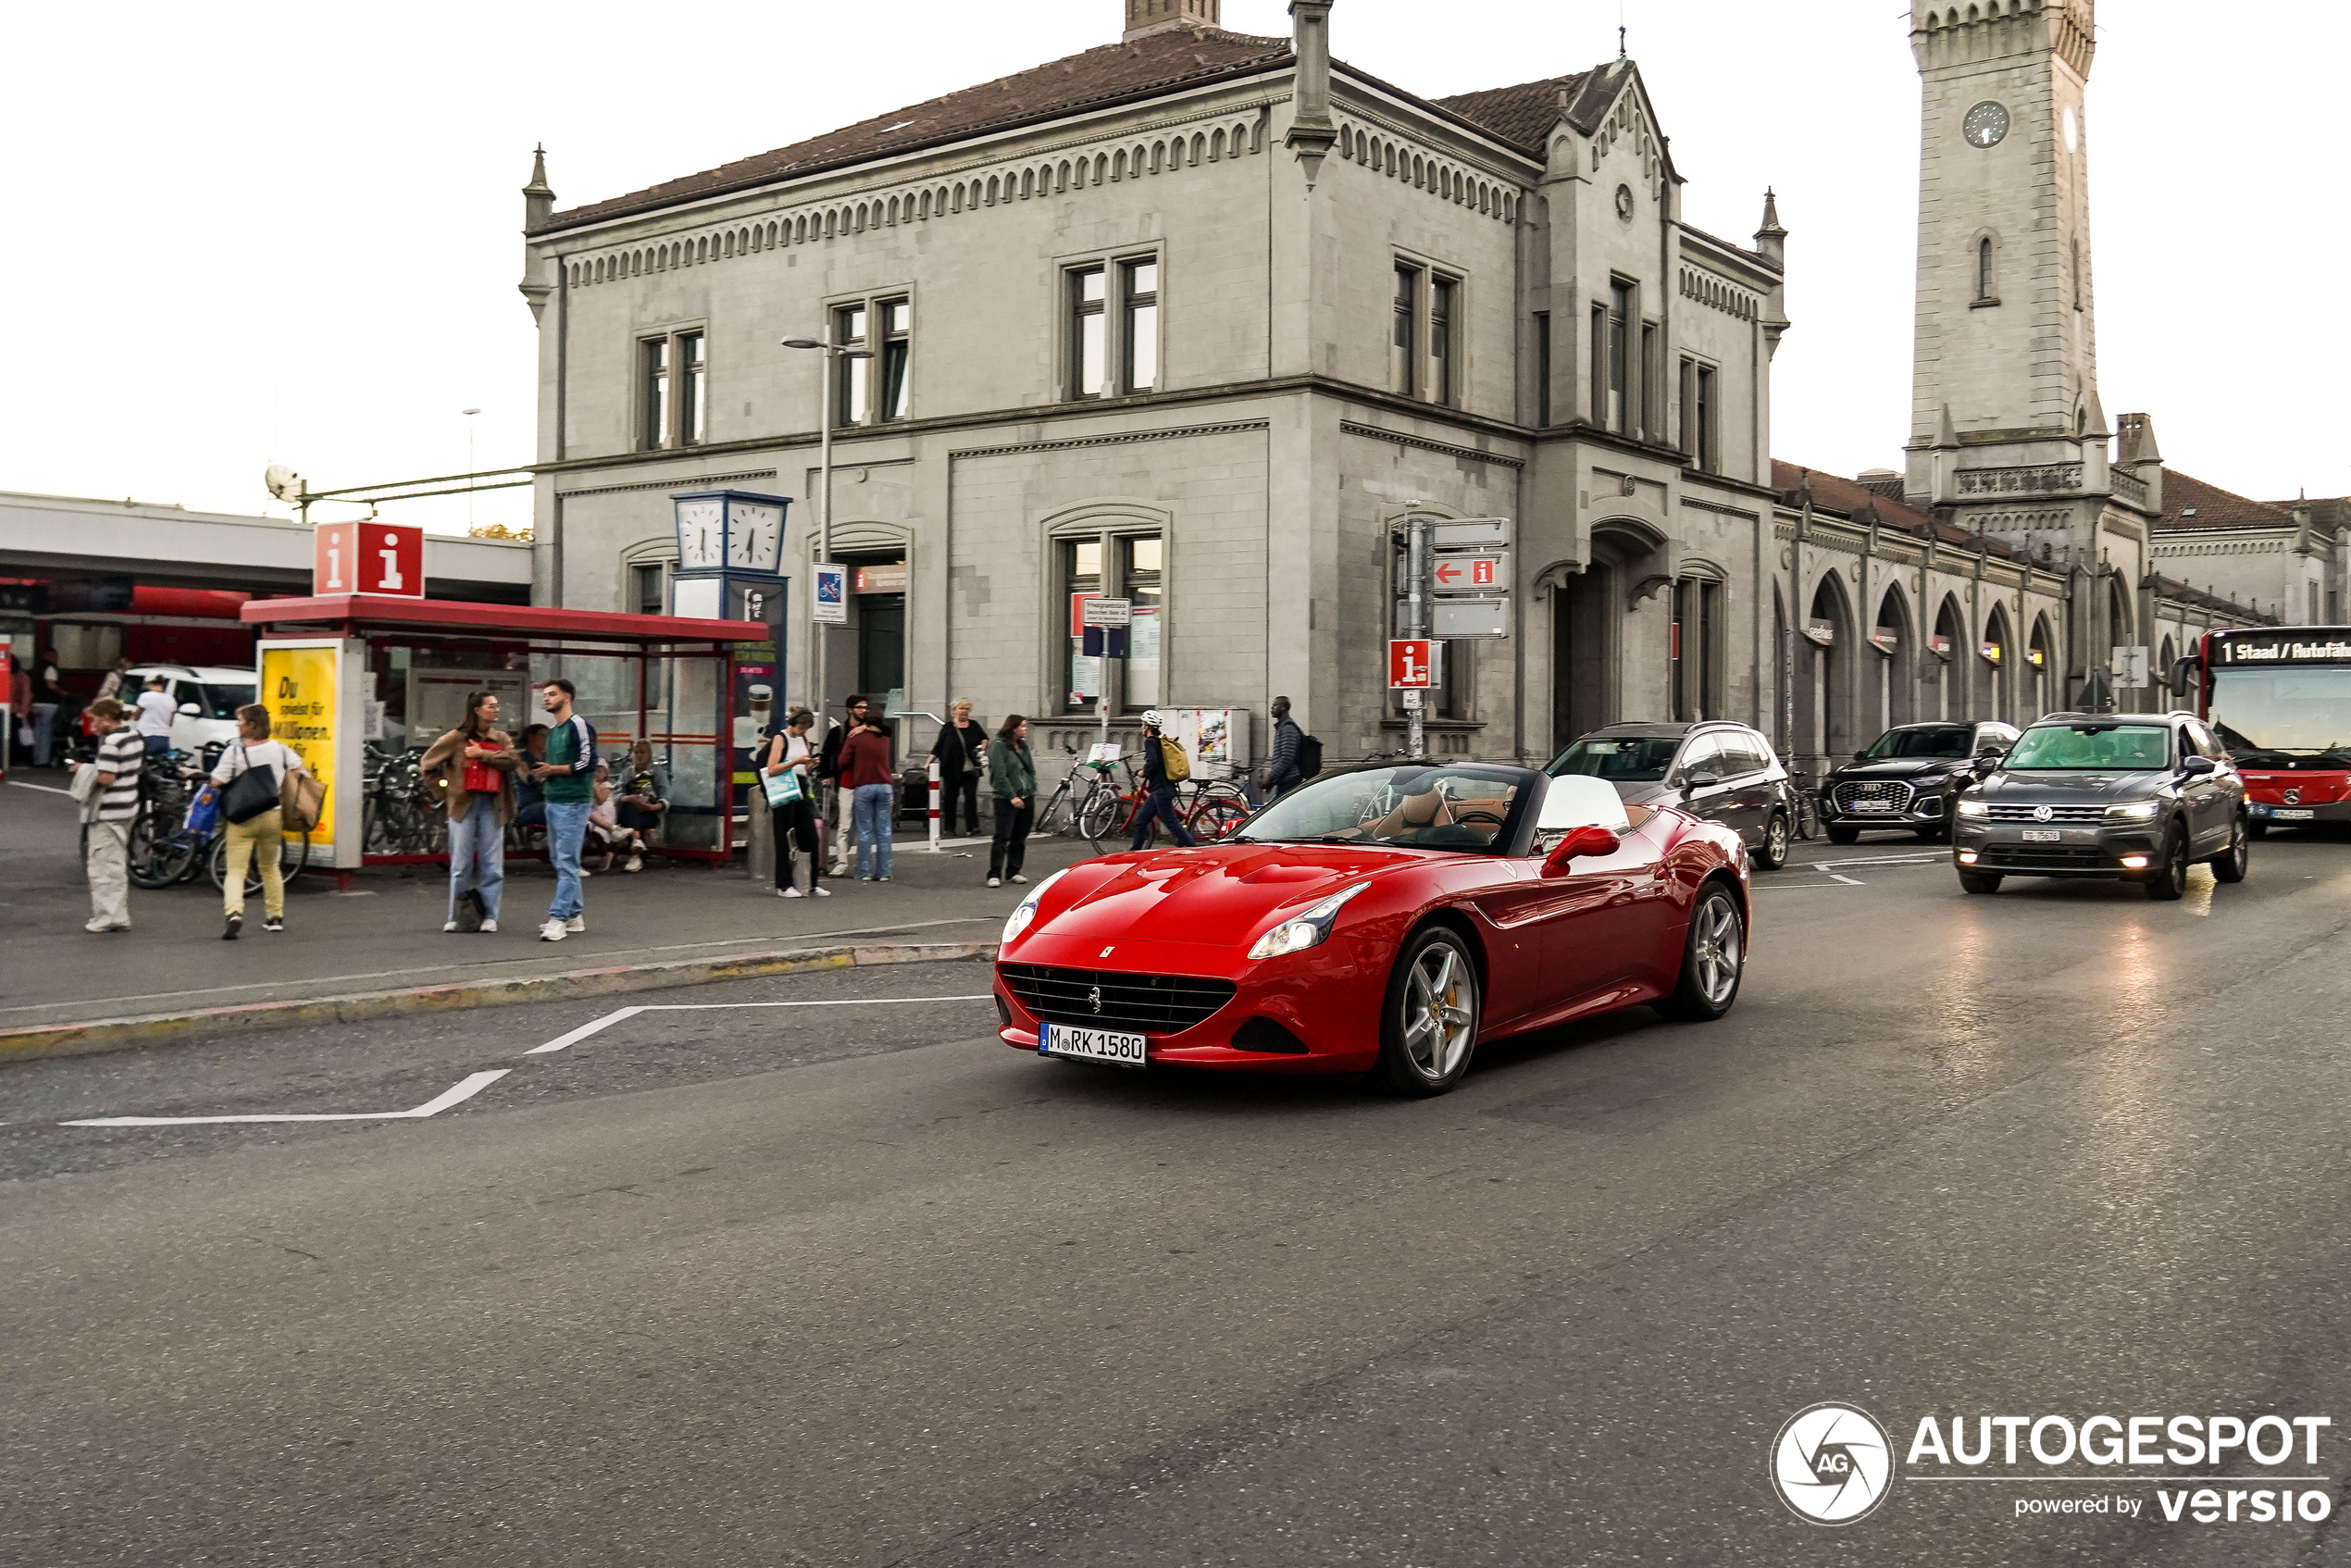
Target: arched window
x=1983 y=267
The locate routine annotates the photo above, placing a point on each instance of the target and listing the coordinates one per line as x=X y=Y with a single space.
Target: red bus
x=2278 y=698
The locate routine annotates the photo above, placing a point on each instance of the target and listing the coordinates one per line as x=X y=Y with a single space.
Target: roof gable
x=2190 y=504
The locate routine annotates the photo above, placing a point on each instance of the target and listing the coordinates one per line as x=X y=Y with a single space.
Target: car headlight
x=1972 y=808
x=1026 y=911
x=2135 y=810
x=1301 y=931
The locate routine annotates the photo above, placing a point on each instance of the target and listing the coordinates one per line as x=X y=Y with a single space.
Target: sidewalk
x=386 y=933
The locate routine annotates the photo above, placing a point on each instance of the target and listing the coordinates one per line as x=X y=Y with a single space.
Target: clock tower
x=2006 y=331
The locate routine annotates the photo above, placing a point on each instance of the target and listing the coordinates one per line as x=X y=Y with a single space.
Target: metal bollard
x=933 y=805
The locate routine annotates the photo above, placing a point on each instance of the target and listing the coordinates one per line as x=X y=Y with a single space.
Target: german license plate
x=1089 y=1045
x=2042 y=836
x=2293 y=814
x=1872 y=805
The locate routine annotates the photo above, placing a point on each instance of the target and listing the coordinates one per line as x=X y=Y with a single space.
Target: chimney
x=1312 y=134
x=1147 y=17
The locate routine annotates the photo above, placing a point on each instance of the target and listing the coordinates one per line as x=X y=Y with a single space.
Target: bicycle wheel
x=160 y=853
x=294 y=853
x=1098 y=811
x=1218 y=814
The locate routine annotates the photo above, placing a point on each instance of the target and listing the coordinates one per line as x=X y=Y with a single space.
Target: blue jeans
x=871 y=809
x=567 y=823
x=156 y=744
x=1162 y=803
x=477 y=856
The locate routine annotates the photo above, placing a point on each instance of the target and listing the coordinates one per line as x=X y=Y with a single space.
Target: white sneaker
x=836 y=868
x=636 y=862
x=576 y=925
x=820 y=891
x=992 y=881
x=788 y=892
x=490 y=927
x=881 y=878
x=552 y=931
x=584 y=874
x=450 y=926
x=1018 y=878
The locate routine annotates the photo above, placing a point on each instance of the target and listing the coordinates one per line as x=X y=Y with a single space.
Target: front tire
x=2168 y=878
x=1980 y=881
x=2231 y=864
x=1840 y=834
x=1428 y=1027
x=1774 y=852
x=1714 y=958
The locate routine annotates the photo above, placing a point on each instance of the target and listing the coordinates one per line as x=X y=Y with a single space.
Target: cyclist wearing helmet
x=1160 y=801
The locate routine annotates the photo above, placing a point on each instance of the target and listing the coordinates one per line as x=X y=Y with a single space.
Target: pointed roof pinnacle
x=1946 y=433
x=1771 y=214
x=538 y=186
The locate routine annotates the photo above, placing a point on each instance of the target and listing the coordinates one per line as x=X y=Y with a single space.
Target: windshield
x=1470 y=808
x=2285 y=711
x=216 y=700
x=1932 y=740
x=1632 y=759
x=2094 y=747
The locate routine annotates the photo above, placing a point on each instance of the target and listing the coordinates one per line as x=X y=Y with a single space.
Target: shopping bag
x=204 y=812
x=303 y=799
x=783 y=789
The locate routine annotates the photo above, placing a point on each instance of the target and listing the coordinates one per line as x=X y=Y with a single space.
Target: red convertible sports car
x=1384 y=920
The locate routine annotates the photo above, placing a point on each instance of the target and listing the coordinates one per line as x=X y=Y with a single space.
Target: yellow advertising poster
x=300 y=688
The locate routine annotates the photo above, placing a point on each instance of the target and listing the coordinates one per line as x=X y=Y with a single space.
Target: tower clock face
x=698 y=535
x=756 y=538
x=1986 y=124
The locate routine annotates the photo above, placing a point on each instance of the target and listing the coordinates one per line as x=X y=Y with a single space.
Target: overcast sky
x=247 y=232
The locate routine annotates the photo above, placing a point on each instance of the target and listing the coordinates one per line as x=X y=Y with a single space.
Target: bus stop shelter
x=342 y=674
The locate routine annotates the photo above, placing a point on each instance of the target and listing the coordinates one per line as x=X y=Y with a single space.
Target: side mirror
x=1985 y=761
x=190 y=710
x=1579 y=842
x=2196 y=768
x=1700 y=781
x=1860 y=756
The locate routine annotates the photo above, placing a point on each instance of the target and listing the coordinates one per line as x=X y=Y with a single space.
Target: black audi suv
x=1716 y=769
x=2138 y=796
x=1908 y=778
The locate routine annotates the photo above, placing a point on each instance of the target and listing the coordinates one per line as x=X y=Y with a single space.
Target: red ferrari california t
x=1382 y=920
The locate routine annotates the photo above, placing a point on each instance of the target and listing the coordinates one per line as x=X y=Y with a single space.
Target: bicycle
x=1071 y=800
x=1210 y=810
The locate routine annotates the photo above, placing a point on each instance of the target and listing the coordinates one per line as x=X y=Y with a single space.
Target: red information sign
x=1408 y=663
x=369 y=558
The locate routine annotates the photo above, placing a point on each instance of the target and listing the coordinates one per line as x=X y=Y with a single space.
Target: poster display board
x=315 y=690
x=1215 y=738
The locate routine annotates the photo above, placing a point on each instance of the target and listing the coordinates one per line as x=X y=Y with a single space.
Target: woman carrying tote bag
x=788 y=754
x=477 y=762
x=251 y=773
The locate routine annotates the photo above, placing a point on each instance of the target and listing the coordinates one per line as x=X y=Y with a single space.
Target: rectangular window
x=1138 y=340
x=852 y=382
x=1141 y=577
x=898 y=347
x=654 y=399
x=1598 y=341
x=1405 y=333
x=1619 y=352
x=1709 y=457
x=1081 y=574
x=1088 y=333
x=645 y=590
x=1542 y=367
x=1686 y=405
x=1441 y=291
x=692 y=386
x=1652 y=386
x=1711 y=650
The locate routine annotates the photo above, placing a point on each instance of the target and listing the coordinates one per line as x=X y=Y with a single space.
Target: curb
x=168 y=1028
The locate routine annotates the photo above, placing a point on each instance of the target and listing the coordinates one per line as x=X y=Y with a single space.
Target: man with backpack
x=1165 y=766
x=1281 y=768
x=568 y=779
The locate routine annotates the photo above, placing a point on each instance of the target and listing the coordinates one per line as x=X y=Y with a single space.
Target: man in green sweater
x=568 y=779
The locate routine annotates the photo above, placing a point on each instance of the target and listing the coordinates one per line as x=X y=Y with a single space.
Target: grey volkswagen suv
x=2137 y=796
x=1713 y=769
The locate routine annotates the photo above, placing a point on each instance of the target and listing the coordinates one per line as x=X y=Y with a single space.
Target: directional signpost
x=1456 y=584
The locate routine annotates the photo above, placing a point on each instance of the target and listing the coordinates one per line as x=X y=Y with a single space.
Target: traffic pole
x=1416 y=614
x=933 y=805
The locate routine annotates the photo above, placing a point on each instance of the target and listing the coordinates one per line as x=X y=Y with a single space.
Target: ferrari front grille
x=1108 y=999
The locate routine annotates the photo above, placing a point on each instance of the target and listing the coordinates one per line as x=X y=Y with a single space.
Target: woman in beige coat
x=472 y=768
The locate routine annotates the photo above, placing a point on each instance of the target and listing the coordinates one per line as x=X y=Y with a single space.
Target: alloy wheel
x=1441 y=1013
x=1715 y=949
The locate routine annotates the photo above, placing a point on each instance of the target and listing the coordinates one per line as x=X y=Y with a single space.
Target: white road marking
x=1846 y=880
x=561 y=1041
x=1929 y=858
x=45 y=788
x=747 y=942
x=433 y=1107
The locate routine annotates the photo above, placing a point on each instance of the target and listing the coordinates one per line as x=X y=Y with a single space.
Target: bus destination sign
x=2308 y=645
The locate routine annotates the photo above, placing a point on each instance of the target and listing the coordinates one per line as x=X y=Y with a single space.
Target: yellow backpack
x=1171 y=756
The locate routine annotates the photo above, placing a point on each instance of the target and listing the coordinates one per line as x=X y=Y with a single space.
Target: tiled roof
x=1115 y=72
x=1847 y=497
x=2190 y=504
x=1523 y=115
x=2328 y=513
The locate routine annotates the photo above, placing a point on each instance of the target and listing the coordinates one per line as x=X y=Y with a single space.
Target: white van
x=207 y=698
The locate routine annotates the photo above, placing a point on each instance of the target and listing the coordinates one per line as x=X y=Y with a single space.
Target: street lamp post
x=833 y=352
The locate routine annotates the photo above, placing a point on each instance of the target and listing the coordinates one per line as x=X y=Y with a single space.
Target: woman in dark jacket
x=962 y=751
x=1012 y=777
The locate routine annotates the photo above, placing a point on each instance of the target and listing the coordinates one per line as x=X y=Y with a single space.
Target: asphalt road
x=856 y=1283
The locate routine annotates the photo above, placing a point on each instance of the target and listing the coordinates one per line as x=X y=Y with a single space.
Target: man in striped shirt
x=122 y=754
